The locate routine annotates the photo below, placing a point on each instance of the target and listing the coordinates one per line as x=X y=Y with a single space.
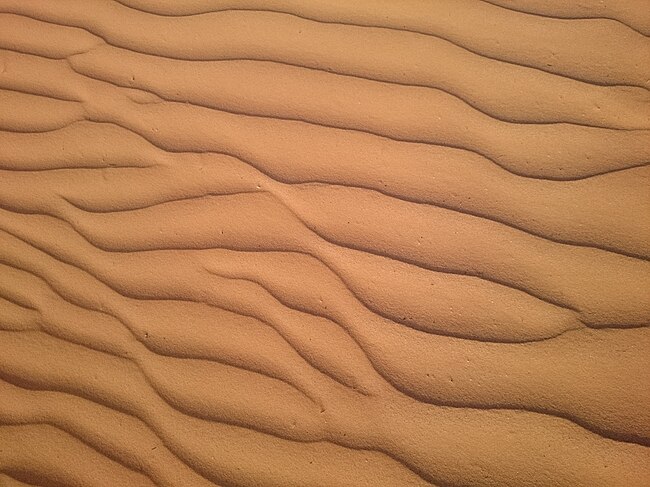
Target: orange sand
x=326 y=243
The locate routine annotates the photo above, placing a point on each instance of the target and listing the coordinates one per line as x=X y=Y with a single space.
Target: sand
x=289 y=243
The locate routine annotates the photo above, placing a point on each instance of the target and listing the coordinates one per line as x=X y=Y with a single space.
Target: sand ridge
x=326 y=243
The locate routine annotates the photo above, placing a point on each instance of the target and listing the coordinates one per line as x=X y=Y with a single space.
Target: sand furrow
x=398 y=170
x=624 y=275
x=40 y=451
x=569 y=12
x=58 y=307
x=543 y=406
x=471 y=34
x=483 y=289
x=99 y=190
x=419 y=262
x=231 y=348
x=602 y=106
x=106 y=428
x=9 y=481
x=416 y=459
x=177 y=427
x=586 y=145
x=629 y=13
x=622 y=104
x=590 y=150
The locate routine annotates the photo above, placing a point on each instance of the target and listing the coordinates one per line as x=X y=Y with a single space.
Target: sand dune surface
x=282 y=243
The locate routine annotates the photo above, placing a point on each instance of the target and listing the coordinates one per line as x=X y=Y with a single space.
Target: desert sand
x=326 y=243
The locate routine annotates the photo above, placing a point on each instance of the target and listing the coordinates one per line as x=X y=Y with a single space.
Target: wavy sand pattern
x=325 y=243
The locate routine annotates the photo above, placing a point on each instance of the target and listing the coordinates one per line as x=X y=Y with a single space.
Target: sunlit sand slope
x=326 y=243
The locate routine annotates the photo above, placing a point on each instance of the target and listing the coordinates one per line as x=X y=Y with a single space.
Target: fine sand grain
x=291 y=243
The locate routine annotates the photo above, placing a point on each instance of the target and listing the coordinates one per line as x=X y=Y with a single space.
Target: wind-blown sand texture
x=324 y=243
